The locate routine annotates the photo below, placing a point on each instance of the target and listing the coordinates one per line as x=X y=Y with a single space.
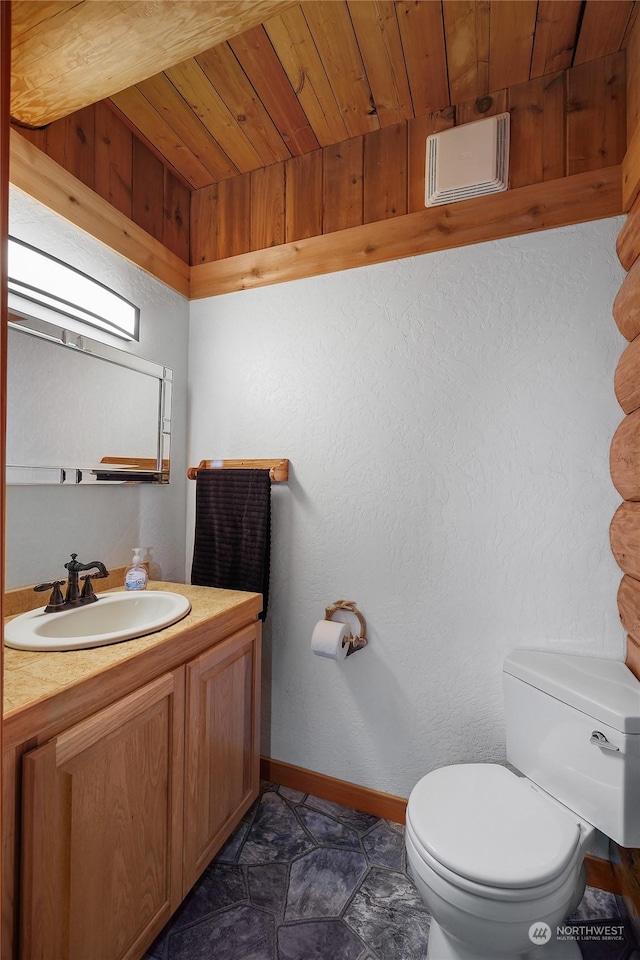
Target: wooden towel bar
x=278 y=469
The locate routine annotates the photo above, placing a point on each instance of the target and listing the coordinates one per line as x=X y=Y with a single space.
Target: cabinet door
x=102 y=829
x=222 y=745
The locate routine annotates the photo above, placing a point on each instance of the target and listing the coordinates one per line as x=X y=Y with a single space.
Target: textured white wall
x=46 y=524
x=448 y=420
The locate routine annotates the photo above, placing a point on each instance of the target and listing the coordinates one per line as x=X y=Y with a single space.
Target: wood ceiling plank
x=512 y=26
x=633 y=79
x=294 y=46
x=225 y=74
x=140 y=112
x=603 y=28
x=378 y=37
x=148 y=186
x=258 y=59
x=489 y=106
x=175 y=220
x=234 y=216
x=385 y=173
x=163 y=97
x=595 y=114
x=633 y=19
x=303 y=216
x=267 y=207
x=26 y=16
x=38 y=137
x=526 y=107
x=466 y=28
x=631 y=162
x=631 y=23
x=554 y=125
x=334 y=37
x=422 y=33
x=615 y=112
x=555 y=37
x=204 y=224
x=342 y=188
x=113 y=176
x=89 y=51
x=585 y=104
x=137 y=133
x=70 y=142
x=343 y=185
x=212 y=111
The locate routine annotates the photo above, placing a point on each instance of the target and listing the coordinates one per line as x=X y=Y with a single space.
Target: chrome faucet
x=73 y=596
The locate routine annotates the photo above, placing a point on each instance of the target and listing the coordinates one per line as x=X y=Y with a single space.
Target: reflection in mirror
x=80 y=411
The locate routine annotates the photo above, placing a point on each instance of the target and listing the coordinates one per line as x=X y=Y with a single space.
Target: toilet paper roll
x=327 y=639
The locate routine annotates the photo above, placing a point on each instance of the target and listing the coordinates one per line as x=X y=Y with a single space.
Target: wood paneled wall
x=625 y=473
x=625 y=446
x=562 y=124
x=631 y=164
x=97 y=147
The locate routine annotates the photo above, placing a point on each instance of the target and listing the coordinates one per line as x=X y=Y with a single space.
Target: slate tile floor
x=306 y=879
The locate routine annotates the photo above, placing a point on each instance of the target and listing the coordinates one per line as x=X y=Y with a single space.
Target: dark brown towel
x=233 y=531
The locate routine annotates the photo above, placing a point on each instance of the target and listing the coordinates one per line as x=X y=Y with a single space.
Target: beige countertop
x=32 y=678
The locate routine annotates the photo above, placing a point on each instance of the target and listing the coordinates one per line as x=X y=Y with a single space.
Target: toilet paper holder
x=355 y=643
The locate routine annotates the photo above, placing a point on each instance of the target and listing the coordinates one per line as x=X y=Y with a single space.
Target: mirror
x=81 y=411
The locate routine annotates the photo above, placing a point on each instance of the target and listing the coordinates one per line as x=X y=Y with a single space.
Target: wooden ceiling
x=67 y=54
x=323 y=71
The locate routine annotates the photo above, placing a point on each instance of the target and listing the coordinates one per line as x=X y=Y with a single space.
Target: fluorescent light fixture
x=46 y=288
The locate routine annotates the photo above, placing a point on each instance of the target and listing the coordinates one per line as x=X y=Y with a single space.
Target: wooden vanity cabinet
x=102 y=829
x=222 y=752
x=122 y=811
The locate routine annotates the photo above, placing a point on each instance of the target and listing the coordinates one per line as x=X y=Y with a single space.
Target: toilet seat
x=507 y=897
x=490 y=832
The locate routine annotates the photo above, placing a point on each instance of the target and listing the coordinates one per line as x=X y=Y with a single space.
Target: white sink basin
x=114 y=617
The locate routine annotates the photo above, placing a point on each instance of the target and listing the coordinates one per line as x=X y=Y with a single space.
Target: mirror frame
x=125 y=470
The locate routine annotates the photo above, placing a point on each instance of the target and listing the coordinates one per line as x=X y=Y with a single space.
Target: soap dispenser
x=136 y=576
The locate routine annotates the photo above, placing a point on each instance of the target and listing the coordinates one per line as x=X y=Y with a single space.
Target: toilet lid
x=488 y=825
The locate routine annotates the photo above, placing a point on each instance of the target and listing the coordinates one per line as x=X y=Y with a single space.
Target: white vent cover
x=467 y=161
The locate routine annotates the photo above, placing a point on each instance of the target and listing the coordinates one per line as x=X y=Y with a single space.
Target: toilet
x=496 y=855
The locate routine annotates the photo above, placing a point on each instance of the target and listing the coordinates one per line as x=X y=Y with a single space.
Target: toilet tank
x=573 y=727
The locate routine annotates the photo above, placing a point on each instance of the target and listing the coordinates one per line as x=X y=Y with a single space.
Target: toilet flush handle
x=601 y=741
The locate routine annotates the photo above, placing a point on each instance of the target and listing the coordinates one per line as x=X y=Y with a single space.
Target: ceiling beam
x=67 y=54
